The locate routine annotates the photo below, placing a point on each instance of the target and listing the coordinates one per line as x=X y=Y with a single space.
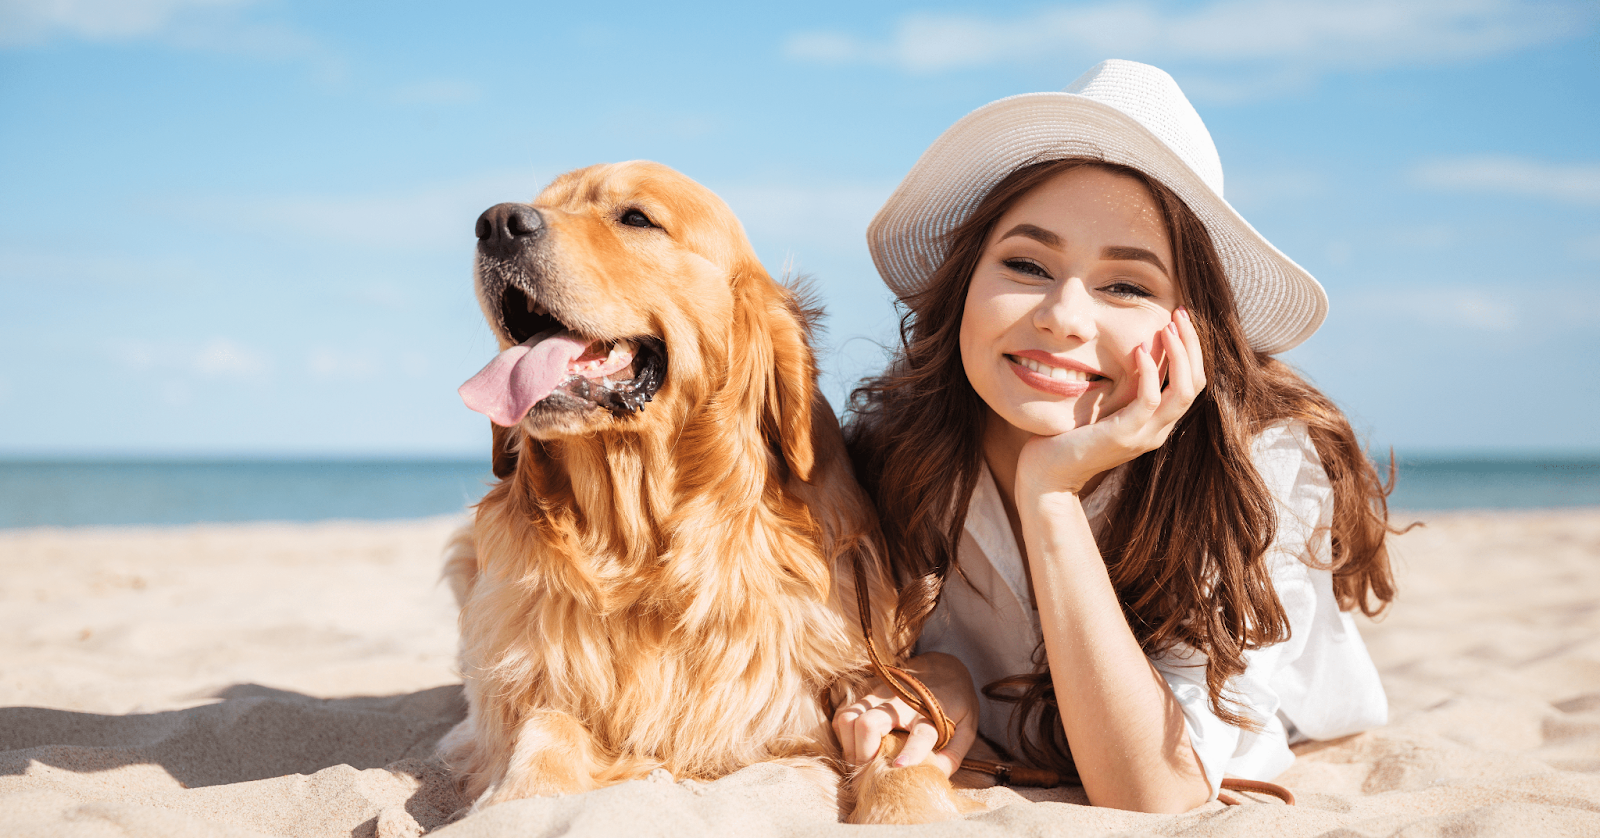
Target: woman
x=1160 y=528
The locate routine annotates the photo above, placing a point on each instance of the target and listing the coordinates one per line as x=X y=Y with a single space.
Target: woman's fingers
x=1180 y=391
x=862 y=726
x=1185 y=372
x=919 y=744
x=1148 y=395
x=844 y=730
x=869 y=731
x=1146 y=421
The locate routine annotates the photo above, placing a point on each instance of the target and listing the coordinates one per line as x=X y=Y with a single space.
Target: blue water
x=67 y=494
x=1496 y=483
x=34 y=494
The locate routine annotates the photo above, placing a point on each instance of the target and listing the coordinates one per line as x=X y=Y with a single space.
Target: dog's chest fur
x=641 y=626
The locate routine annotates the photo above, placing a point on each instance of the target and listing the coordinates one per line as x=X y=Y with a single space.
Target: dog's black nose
x=503 y=227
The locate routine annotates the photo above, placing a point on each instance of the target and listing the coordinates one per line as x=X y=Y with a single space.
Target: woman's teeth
x=1056 y=373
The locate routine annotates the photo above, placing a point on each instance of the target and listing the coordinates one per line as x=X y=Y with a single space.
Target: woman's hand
x=862 y=725
x=1066 y=461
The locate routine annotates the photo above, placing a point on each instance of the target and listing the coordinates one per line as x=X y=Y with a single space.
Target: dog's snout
x=503 y=227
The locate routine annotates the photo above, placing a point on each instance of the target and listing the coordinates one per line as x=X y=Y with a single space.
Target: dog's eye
x=635 y=218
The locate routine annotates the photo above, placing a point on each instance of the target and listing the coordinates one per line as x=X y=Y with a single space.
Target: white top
x=1318 y=684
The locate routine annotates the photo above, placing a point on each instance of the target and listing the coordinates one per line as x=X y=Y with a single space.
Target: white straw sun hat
x=1120 y=112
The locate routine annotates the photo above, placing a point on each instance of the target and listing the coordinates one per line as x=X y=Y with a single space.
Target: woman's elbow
x=1172 y=801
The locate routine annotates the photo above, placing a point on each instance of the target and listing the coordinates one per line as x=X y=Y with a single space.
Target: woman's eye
x=1024 y=266
x=635 y=218
x=1126 y=289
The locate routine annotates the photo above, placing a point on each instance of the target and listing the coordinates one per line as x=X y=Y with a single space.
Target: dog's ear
x=787 y=416
x=504 y=450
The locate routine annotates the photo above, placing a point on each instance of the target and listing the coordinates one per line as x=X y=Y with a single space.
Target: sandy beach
x=290 y=680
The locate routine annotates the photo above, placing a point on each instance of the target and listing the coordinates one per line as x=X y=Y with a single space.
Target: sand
x=290 y=680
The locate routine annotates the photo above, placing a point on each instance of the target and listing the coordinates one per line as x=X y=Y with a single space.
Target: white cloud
x=223 y=358
x=1478 y=309
x=216 y=358
x=211 y=26
x=33 y=21
x=827 y=48
x=441 y=215
x=831 y=216
x=136 y=355
x=330 y=364
x=386 y=295
x=1255 y=190
x=1424 y=236
x=427 y=217
x=1300 y=37
x=338 y=364
x=1573 y=183
x=39 y=265
x=437 y=92
x=1564 y=305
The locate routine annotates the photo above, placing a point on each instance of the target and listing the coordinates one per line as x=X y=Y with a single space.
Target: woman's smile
x=1044 y=372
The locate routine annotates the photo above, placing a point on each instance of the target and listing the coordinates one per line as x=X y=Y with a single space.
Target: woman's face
x=1073 y=278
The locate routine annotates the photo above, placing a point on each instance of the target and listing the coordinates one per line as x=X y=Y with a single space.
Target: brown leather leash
x=916 y=694
x=910 y=688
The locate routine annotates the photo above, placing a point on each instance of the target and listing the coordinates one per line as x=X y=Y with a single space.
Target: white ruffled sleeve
x=1318 y=684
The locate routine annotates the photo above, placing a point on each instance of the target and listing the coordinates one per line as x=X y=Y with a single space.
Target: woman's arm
x=1123 y=724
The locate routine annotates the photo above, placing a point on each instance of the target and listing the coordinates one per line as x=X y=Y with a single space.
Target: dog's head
x=627 y=298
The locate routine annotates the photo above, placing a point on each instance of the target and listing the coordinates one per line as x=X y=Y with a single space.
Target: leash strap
x=1013 y=775
x=910 y=689
x=1258 y=786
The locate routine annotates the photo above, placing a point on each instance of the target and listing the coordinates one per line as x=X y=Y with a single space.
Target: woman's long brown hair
x=1185 y=543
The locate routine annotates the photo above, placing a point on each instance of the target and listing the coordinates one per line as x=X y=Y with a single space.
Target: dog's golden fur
x=668 y=588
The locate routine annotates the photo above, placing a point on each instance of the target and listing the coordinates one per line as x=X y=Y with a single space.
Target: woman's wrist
x=1048 y=519
x=1049 y=490
x=1035 y=482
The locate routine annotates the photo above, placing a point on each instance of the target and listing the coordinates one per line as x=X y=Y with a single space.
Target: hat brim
x=1279 y=303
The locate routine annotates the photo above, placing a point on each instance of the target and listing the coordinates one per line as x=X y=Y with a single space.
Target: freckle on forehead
x=1130 y=198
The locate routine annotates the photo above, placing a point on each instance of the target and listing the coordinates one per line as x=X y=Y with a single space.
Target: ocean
x=140 y=493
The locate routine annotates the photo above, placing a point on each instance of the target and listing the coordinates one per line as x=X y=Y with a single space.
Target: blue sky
x=232 y=227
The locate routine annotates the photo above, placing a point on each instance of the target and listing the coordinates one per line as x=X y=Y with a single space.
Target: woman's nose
x=1067 y=311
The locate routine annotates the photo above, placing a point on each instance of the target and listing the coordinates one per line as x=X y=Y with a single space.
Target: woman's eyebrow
x=1045 y=237
x=1136 y=254
x=1038 y=234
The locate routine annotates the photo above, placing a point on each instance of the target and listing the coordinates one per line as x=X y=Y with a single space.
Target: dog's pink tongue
x=519 y=377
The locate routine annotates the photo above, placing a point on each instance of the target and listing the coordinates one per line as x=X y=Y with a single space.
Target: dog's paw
x=913 y=794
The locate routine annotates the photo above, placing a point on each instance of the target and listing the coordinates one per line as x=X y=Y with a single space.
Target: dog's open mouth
x=554 y=368
x=620 y=376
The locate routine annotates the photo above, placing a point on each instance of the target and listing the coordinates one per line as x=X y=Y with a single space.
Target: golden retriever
x=661 y=579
